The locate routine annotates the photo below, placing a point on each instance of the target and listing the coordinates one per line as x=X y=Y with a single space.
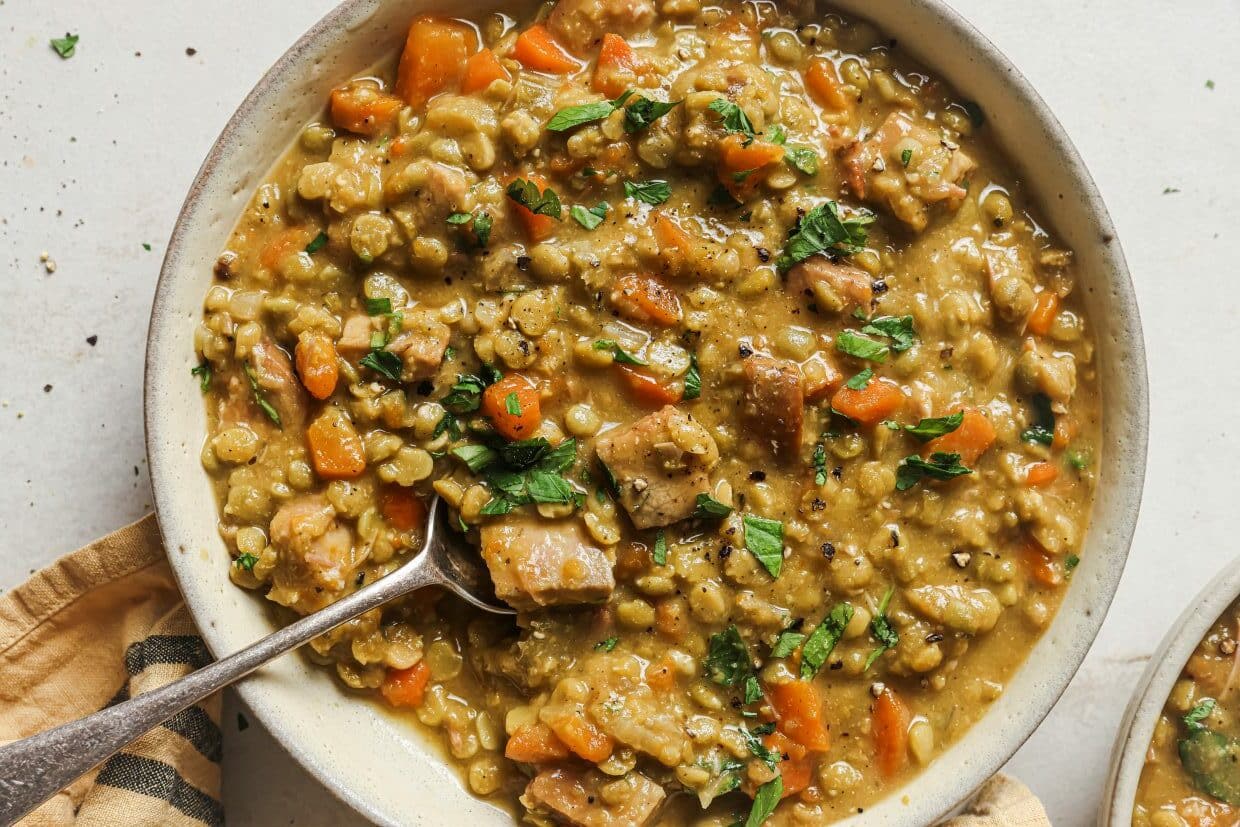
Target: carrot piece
x=737 y=156
x=670 y=618
x=872 y=404
x=536 y=49
x=538 y=227
x=535 y=744
x=318 y=364
x=645 y=298
x=514 y=406
x=617 y=66
x=823 y=82
x=1065 y=431
x=434 y=58
x=284 y=244
x=798 y=774
x=661 y=678
x=1042 y=567
x=648 y=389
x=335 y=448
x=583 y=737
x=481 y=70
x=670 y=234
x=890 y=722
x=970 y=440
x=406 y=687
x=1041 y=473
x=798 y=709
x=403 y=509
x=363 y=109
x=1043 y=315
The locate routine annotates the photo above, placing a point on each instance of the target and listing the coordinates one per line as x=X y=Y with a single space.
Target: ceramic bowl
x=386 y=769
x=1137 y=726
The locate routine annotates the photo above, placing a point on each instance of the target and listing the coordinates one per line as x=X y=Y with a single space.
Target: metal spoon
x=34 y=769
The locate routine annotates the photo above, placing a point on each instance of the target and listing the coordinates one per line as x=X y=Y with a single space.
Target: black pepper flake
x=242 y=723
x=361 y=578
x=837 y=472
x=835 y=667
x=947 y=353
x=934 y=637
x=828 y=551
x=745 y=351
x=725 y=552
x=818 y=504
x=895 y=538
x=47 y=388
x=190 y=51
x=757 y=476
x=523 y=263
x=426 y=387
x=764 y=255
x=879 y=287
x=92 y=340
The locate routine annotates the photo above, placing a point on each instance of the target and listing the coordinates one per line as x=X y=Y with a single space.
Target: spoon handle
x=34 y=769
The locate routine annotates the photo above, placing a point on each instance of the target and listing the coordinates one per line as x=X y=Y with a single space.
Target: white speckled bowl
x=1137 y=727
x=385 y=769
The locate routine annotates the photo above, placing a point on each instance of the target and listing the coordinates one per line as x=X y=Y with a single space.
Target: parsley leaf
x=858 y=382
x=476 y=457
x=1042 y=421
x=643 y=112
x=659 y=553
x=821 y=642
x=378 y=307
x=820 y=464
x=802 y=159
x=1198 y=714
x=606 y=645
x=512 y=404
x=592 y=217
x=1071 y=562
x=862 y=347
x=941 y=466
x=317 y=243
x=905 y=157
x=776 y=134
x=765 y=801
x=787 y=643
x=727 y=660
x=526 y=194
x=466 y=395
x=246 y=561
x=260 y=398
x=203 y=372
x=653 y=193
x=929 y=429
x=824 y=230
x=734 y=118
x=384 y=362
x=693 y=379
x=758 y=749
x=459 y=218
x=1078 y=459
x=482 y=228
x=899 y=329
x=618 y=353
x=765 y=540
x=882 y=629
x=753 y=690
x=66 y=46
x=575 y=116
x=708 y=508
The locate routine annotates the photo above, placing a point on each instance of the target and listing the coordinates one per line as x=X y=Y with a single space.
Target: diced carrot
x=399 y=147
x=661 y=677
x=434 y=58
x=402 y=508
x=1041 y=473
x=798 y=709
x=514 y=406
x=670 y=234
x=318 y=364
x=1043 y=315
x=364 y=109
x=536 y=49
x=1065 y=431
x=406 y=687
x=671 y=618
x=890 y=727
x=741 y=167
x=481 y=70
x=822 y=377
x=335 y=448
x=646 y=298
x=583 y=737
x=538 y=227
x=970 y=440
x=284 y=244
x=617 y=66
x=797 y=775
x=1041 y=565
x=823 y=82
x=535 y=744
x=648 y=389
x=877 y=401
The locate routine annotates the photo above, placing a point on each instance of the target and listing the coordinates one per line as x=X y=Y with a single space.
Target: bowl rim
x=338 y=23
x=1150 y=695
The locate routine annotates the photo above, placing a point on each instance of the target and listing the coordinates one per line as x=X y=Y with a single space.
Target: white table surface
x=96 y=154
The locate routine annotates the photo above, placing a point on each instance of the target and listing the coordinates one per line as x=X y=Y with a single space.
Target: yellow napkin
x=106 y=622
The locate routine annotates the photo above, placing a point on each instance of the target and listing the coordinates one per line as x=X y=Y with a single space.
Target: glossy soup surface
x=727 y=336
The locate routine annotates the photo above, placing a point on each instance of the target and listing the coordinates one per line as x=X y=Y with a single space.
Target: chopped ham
x=273 y=371
x=936 y=167
x=831 y=286
x=576 y=797
x=581 y=23
x=537 y=563
x=660 y=464
x=822 y=377
x=354 y=341
x=420 y=344
x=774 y=402
x=313 y=546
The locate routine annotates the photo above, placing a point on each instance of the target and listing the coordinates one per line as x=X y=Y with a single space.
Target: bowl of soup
x=779 y=361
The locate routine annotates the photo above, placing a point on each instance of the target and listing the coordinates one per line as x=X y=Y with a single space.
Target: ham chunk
x=832 y=287
x=536 y=563
x=420 y=344
x=317 y=557
x=582 y=23
x=660 y=464
x=273 y=371
x=774 y=403
x=578 y=797
x=933 y=174
x=354 y=340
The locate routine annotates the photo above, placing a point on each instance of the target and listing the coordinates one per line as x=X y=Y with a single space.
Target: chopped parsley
x=482 y=224
x=590 y=218
x=526 y=194
x=928 y=429
x=459 y=218
x=940 y=466
x=653 y=193
x=317 y=243
x=618 y=353
x=882 y=629
x=733 y=117
x=852 y=343
x=824 y=230
x=1078 y=459
x=476 y=457
x=787 y=643
x=820 y=464
x=146 y=246
x=727 y=660
x=246 y=561
x=260 y=398
x=203 y=372
x=899 y=329
x=383 y=362
x=776 y=134
x=606 y=645
x=905 y=157
x=707 y=507
x=1042 y=421
x=1193 y=720
x=821 y=642
x=66 y=46
x=378 y=307
x=693 y=379
x=575 y=116
x=765 y=540
x=802 y=159
x=757 y=749
x=765 y=801
x=642 y=112
x=1070 y=563
x=858 y=382
x=466 y=395
x=512 y=404
x=659 y=554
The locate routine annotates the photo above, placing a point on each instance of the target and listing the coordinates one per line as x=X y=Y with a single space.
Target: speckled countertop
x=96 y=153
